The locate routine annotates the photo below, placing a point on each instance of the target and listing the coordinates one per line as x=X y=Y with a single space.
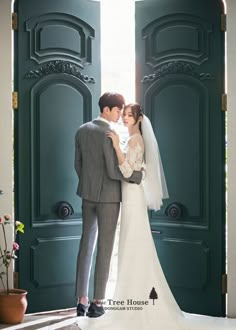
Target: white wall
x=231 y=81
x=6 y=133
x=5 y=113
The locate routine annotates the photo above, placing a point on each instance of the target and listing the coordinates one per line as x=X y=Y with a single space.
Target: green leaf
x=20 y=227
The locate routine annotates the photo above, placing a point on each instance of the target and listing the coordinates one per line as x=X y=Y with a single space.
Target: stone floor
x=66 y=319
x=43 y=321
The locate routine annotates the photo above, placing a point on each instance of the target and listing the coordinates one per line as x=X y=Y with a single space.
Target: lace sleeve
x=133 y=157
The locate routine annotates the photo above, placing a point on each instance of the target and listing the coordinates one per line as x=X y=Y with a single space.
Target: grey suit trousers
x=99 y=225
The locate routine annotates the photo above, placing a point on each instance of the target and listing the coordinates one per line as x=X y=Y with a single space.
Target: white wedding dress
x=133 y=307
x=139 y=270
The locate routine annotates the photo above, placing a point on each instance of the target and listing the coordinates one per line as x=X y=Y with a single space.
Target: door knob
x=174 y=210
x=64 y=210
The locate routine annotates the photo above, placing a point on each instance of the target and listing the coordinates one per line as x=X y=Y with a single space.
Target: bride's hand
x=114 y=137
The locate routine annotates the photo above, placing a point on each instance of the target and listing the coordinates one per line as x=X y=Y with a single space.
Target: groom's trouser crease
x=99 y=220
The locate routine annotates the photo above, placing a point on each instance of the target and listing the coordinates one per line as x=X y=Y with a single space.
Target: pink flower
x=15 y=246
x=7 y=255
x=7 y=216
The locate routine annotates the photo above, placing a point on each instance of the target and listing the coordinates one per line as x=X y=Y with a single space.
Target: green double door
x=179 y=81
x=57 y=76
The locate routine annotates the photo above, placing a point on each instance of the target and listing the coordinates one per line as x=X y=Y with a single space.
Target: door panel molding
x=53 y=246
x=42 y=181
x=190 y=42
x=191 y=272
x=193 y=94
x=77 y=41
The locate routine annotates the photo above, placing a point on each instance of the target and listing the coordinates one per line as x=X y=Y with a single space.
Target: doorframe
x=6 y=130
x=6 y=116
x=231 y=154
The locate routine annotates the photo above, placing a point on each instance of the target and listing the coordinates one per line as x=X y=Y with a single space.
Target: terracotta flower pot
x=12 y=306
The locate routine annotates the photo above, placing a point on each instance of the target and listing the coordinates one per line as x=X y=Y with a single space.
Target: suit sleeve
x=78 y=159
x=112 y=165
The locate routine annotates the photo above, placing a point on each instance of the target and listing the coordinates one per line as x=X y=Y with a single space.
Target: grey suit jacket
x=96 y=164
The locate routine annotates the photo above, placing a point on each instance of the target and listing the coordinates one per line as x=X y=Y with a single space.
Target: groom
x=100 y=188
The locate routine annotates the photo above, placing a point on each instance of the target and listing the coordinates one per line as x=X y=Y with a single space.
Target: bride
x=142 y=298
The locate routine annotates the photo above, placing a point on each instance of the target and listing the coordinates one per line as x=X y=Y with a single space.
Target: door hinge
x=224 y=102
x=15 y=100
x=14 y=21
x=223 y=22
x=224 y=283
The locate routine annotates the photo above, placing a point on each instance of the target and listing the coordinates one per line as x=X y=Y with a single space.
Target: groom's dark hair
x=110 y=100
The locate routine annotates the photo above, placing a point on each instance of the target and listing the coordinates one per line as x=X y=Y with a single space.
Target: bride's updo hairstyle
x=137 y=111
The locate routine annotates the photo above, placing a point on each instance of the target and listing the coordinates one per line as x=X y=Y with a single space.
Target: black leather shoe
x=82 y=309
x=95 y=310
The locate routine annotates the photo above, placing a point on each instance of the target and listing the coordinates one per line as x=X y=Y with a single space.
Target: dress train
x=139 y=273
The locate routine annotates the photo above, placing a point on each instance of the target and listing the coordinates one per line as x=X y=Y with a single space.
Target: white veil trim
x=154 y=183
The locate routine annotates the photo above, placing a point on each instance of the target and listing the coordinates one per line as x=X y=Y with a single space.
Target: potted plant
x=13 y=302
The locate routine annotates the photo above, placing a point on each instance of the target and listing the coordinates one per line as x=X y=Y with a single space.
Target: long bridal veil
x=154 y=184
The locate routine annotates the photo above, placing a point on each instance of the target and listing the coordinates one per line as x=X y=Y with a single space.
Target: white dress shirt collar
x=103 y=119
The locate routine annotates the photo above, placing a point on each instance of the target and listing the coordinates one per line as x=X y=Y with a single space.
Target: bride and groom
x=108 y=175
